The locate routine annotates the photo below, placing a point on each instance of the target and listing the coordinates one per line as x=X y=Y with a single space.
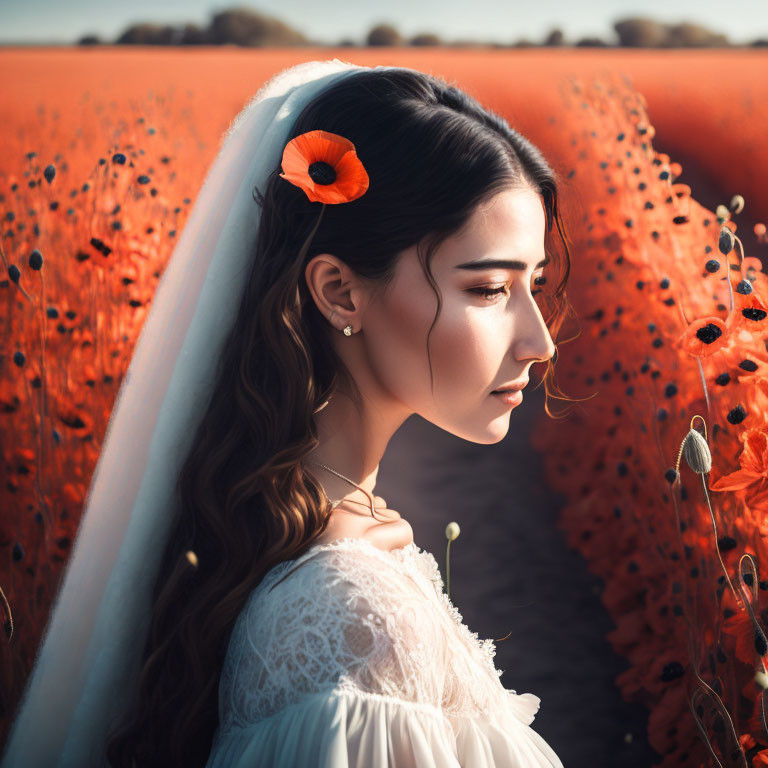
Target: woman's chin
x=494 y=432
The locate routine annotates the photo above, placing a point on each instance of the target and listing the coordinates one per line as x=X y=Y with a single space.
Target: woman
x=292 y=620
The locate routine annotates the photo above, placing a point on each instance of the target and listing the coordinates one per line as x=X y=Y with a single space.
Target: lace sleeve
x=347 y=619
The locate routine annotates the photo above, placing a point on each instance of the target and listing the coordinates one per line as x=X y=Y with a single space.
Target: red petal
x=736 y=481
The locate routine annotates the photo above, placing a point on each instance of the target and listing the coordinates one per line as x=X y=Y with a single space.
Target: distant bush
x=147 y=34
x=384 y=34
x=591 y=42
x=192 y=34
x=688 y=35
x=426 y=38
x=242 y=26
x=236 y=26
x=89 y=40
x=555 y=37
x=640 y=32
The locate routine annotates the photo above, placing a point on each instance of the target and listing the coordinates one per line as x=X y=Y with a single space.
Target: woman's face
x=489 y=332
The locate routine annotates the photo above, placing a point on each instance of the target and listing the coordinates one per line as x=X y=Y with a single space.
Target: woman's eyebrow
x=499 y=264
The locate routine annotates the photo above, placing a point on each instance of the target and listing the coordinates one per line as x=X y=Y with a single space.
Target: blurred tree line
x=246 y=27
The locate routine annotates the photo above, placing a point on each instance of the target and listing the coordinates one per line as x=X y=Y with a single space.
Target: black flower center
x=709 y=333
x=322 y=173
x=753 y=313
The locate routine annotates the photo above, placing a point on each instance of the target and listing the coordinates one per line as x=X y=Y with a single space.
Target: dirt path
x=511 y=572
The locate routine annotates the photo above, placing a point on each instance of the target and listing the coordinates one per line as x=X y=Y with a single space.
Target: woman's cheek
x=398 y=350
x=464 y=348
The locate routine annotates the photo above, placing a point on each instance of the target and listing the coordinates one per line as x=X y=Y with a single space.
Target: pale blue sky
x=499 y=20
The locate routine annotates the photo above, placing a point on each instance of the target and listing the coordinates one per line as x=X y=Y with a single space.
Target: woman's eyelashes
x=489 y=292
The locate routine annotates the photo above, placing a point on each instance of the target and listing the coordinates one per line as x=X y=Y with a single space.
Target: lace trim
x=403 y=555
x=486 y=647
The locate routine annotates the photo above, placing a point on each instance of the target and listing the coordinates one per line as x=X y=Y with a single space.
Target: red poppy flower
x=704 y=337
x=752 y=475
x=325 y=165
x=746 y=741
x=750 y=313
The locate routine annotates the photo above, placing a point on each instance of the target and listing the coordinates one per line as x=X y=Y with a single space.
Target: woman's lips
x=510 y=396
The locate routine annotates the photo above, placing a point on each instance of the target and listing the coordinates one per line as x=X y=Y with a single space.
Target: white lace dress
x=353 y=657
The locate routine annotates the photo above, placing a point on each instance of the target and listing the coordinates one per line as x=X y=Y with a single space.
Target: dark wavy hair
x=245 y=500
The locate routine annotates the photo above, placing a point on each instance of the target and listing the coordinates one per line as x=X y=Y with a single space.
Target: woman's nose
x=532 y=338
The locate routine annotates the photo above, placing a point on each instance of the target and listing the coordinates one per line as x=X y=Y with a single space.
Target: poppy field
x=663 y=161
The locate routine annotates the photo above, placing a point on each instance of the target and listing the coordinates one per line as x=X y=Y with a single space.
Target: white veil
x=90 y=651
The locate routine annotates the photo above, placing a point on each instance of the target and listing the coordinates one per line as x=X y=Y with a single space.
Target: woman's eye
x=489 y=292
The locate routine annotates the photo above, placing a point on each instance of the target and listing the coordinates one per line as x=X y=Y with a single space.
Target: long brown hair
x=245 y=500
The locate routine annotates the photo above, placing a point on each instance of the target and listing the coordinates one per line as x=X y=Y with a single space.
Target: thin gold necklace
x=352 y=482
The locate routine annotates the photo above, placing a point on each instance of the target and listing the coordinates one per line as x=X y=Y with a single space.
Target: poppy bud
x=737 y=204
x=696 y=452
x=36 y=259
x=761 y=644
x=722 y=214
x=452 y=531
x=725 y=244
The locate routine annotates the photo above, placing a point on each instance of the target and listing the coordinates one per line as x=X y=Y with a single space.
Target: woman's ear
x=335 y=289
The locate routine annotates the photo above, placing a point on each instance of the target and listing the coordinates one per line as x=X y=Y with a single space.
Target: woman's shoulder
x=345 y=609
x=392 y=532
x=341 y=558
x=351 y=546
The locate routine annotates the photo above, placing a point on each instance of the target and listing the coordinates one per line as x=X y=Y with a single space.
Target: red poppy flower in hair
x=326 y=166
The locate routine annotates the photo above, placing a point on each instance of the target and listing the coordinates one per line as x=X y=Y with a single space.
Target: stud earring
x=348 y=330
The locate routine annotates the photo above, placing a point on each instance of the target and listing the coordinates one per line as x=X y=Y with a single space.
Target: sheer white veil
x=90 y=651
